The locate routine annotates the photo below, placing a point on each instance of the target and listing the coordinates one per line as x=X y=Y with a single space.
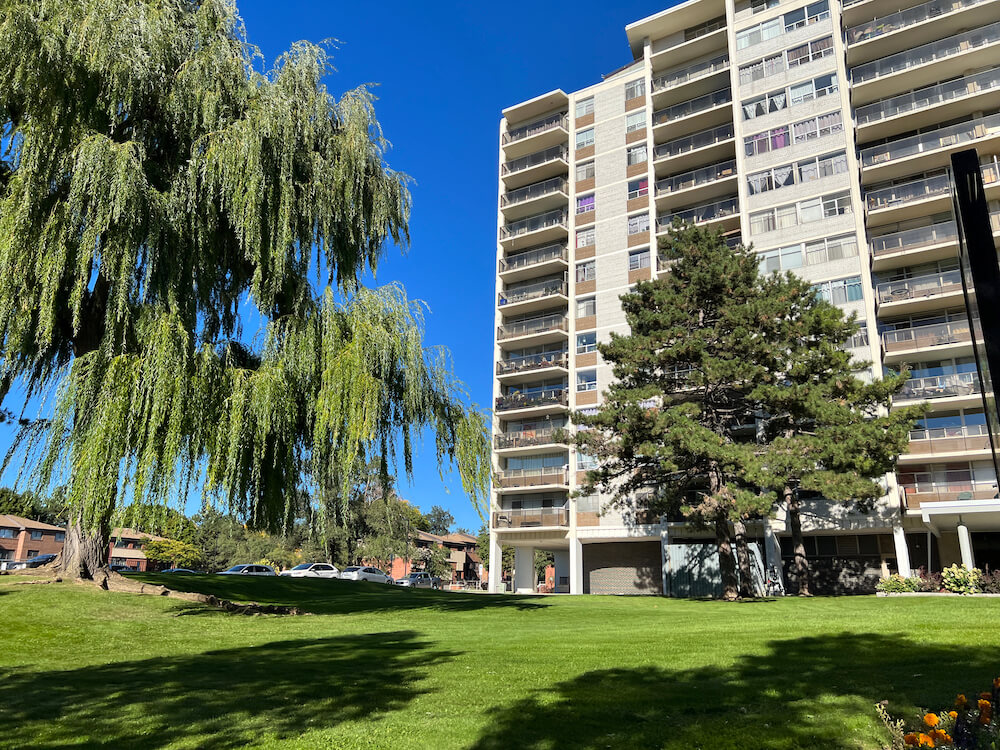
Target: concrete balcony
x=544 y=329
x=541 y=196
x=915 y=246
x=536 y=136
x=525 y=440
x=539 y=295
x=916 y=26
x=920 y=294
x=543 y=401
x=706 y=147
x=522 y=518
x=535 y=167
x=908 y=200
x=695 y=45
x=533 y=480
x=533 y=364
x=930 y=150
x=946 y=443
x=960 y=488
x=700 y=113
x=548 y=227
x=697 y=186
x=725 y=214
x=932 y=104
x=921 y=66
x=949 y=391
x=539 y=261
x=691 y=81
x=903 y=342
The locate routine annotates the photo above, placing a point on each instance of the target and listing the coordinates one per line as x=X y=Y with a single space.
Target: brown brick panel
x=587 y=359
x=634 y=170
x=639 y=238
x=586 y=287
x=587 y=217
x=636 y=103
x=587 y=398
x=637 y=204
x=584 y=153
x=588 y=251
x=584 y=121
x=587 y=519
x=582 y=324
x=639 y=274
x=622 y=568
x=635 y=135
x=582 y=186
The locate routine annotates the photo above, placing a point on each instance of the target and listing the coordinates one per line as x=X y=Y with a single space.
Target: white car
x=312 y=570
x=248 y=570
x=359 y=573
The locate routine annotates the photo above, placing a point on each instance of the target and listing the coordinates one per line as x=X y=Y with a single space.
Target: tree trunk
x=800 y=563
x=727 y=565
x=743 y=558
x=85 y=553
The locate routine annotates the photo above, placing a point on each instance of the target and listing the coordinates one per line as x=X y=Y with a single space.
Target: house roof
x=133 y=534
x=17 y=522
x=454 y=538
x=461 y=538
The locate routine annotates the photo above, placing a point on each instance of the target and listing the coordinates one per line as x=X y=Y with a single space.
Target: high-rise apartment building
x=819 y=132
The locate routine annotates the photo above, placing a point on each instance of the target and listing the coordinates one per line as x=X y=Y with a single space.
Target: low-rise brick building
x=22 y=538
x=127 y=549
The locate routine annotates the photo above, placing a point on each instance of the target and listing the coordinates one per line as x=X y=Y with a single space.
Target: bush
x=960 y=580
x=970 y=724
x=897 y=584
x=990 y=582
x=929 y=582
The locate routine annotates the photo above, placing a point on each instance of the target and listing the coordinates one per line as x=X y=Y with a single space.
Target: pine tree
x=182 y=235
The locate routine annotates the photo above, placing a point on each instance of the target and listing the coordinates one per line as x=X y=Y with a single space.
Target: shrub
x=990 y=582
x=960 y=580
x=897 y=584
x=970 y=724
x=929 y=582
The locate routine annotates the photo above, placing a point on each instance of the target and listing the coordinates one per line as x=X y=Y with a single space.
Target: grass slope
x=379 y=667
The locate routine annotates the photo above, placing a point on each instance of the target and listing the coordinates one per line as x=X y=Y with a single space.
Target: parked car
x=312 y=570
x=39 y=560
x=420 y=580
x=360 y=573
x=248 y=570
x=178 y=570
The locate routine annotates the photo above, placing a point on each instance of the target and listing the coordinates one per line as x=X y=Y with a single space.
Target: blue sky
x=444 y=71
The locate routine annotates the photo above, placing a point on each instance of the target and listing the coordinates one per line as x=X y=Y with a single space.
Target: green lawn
x=378 y=667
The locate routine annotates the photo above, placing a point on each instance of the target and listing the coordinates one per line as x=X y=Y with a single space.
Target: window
x=586 y=380
x=586 y=307
x=762 y=105
x=770 y=140
x=586 y=237
x=756 y=6
x=586 y=342
x=6 y=533
x=814 y=50
x=636 y=155
x=638 y=259
x=859 y=339
x=635 y=121
x=833 y=164
x=585 y=138
x=759 y=33
x=585 y=462
x=840 y=291
x=585 y=107
x=811 y=210
x=32 y=553
x=585 y=171
x=761 y=222
x=837 y=205
x=36 y=535
x=60 y=536
x=585 y=203
x=638 y=223
x=781 y=259
x=585 y=271
x=635 y=89
x=638 y=188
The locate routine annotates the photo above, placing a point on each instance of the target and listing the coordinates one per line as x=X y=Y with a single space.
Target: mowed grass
x=379 y=667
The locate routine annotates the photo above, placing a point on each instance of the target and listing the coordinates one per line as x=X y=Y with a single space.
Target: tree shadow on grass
x=333 y=597
x=816 y=692
x=217 y=699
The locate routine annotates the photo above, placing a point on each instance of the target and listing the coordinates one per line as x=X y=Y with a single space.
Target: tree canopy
x=182 y=238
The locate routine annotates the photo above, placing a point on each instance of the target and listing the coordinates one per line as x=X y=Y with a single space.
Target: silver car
x=248 y=570
x=363 y=573
x=420 y=580
x=312 y=570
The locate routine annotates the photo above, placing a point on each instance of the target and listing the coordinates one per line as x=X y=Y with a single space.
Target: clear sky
x=444 y=71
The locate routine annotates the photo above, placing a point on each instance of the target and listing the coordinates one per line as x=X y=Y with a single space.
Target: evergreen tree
x=439 y=521
x=161 y=198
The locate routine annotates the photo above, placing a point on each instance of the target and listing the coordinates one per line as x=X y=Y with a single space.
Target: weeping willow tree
x=182 y=234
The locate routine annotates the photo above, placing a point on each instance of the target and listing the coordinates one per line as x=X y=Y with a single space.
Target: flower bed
x=955 y=580
x=968 y=725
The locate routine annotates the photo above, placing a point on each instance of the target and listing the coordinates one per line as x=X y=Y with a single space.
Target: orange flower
x=953 y=714
x=939 y=735
x=925 y=740
x=984 y=718
x=911 y=739
x=931 y=720
x=986 y=696
x=984 y=704
x=961 y=701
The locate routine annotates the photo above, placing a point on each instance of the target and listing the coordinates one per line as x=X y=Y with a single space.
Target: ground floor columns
x=965 y=545
x=524 y=570
x=575 y=566
x=772 y=556
x=496 y=565
x=560 y=561
x=902 y=551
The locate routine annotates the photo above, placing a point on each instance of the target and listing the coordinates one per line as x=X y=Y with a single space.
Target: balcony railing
x=694 y=106
x=531 y=399
x=534 y=257
x=947 y=486
x=920 y=286
x=533 y=160
x=534 y=223
x=532 y=326
x=696 y=177
x=531 y=362
x=932 y=141
x=949 y=439
x=539 y=189
x=930 y=96
x=940 y=386
x=914 y=239
x=908 y=192
x=538 y=126
x=919 y=337
x=694 y=142
x=547 y=475
x=525 y=517
x=710 y=212
x=926 y=53
x=525 y=438
x=677 y=77
x=536 y=290
x=909 y=17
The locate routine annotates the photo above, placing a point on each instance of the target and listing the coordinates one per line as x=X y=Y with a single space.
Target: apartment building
x=819 y=132
x=23 y=538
